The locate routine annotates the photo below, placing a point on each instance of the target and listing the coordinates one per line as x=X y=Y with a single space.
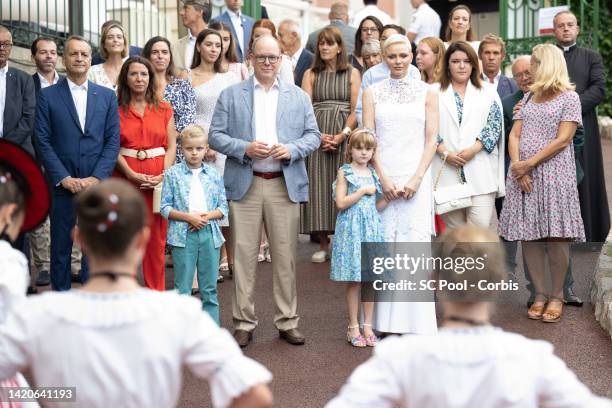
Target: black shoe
x=76 y=277
x=43 y=279
x=195 y=291
x=32 y=290
x=571 y=299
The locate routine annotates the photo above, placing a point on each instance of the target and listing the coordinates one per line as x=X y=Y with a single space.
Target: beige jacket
x=178 y=53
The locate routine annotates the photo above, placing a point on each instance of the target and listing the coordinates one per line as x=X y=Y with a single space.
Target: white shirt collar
x=259 y=85
x=191 y=36
x=4 y=70
x=75 y=87
x=486 y=78
x=566 y=49
x=232 y=14
x=296 y=55
x=55 y=78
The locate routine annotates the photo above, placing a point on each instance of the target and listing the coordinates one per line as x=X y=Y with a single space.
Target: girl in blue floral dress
x=358 y=196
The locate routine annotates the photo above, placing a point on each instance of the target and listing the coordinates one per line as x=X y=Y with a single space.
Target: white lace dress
x=400 y=128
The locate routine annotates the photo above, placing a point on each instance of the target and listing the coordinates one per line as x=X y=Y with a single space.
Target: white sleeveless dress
x=400 y=129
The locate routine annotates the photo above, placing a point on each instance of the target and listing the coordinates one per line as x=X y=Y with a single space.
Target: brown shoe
x=292 y=336
x=243 y=337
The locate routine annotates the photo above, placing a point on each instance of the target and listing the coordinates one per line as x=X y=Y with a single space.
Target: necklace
x=111 y=275
x=466 y=320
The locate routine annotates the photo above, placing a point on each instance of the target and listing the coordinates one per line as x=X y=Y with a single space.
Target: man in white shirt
x=291 y=45
x=239 y=25
x=266 y=127
x=492 y=52
x=195 y=15
x=371 y=9
x=425 y=22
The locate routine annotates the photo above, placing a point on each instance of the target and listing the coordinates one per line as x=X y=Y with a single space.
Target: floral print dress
x=552 y=209
x=354 y=225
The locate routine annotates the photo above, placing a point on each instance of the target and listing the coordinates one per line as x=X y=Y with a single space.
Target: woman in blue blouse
x=178 y=92
x=469 y=137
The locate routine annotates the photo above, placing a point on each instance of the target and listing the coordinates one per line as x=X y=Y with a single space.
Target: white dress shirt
x=3 y=72
x=43 y=81
x=372 y=10
x=296 y=57
x=197 y=195
x=264 y=108
x=495 y=80
x=425 y=23
x=236 y=19
x=79 y=97
x=189 y=51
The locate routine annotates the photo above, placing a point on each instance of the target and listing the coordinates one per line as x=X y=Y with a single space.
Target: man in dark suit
x=291 y=44
x=586 y=71
x=338 y=17
x=492 y=52
x=240 y=25
x=77 y=134
x=17 y=98
x=44 y=56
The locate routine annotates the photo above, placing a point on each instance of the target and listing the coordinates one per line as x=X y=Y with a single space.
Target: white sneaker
x=319 y=257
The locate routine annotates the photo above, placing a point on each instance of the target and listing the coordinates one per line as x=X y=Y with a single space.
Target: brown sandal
x=536 y=311
x=553 y=313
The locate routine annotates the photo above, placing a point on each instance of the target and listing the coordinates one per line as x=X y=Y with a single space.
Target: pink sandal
x=371 y=340
x=356 y=341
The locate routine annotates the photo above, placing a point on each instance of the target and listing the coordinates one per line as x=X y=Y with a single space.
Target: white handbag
x=454 y=197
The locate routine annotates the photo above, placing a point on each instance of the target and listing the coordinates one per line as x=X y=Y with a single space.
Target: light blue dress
x=354 y=225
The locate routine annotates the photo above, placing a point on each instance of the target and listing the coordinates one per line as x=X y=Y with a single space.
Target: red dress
x=142 y=133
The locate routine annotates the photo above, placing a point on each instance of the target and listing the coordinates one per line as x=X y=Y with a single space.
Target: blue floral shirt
x=175 y=196
x=489 y=135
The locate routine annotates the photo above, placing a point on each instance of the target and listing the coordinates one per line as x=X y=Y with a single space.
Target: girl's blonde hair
x=193 y=132
x=437 y=47
x=358 y=138
x=550 y=70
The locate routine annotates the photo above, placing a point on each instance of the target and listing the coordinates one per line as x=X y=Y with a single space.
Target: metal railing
x=519 y=19
x=58 y=19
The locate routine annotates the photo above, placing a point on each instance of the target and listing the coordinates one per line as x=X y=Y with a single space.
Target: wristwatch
x=347 y=131
x=444 y=155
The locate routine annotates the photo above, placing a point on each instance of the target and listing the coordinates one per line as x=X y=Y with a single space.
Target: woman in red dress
x=148 y=147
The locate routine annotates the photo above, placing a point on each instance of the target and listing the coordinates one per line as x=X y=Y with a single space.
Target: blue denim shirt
x=175 y=196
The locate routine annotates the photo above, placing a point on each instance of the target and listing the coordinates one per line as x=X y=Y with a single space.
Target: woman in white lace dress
x=404 y=113
x=114 y=50
x=208 y=80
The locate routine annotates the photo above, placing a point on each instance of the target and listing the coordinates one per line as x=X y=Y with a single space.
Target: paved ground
x=310 y=375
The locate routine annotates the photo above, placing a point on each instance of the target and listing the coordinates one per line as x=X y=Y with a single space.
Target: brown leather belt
x=268 y=175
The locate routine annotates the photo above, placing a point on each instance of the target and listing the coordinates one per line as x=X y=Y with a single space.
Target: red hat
x=30 y=178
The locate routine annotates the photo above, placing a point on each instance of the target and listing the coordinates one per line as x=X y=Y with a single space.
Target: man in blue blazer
x=266 y=127
x=492 y=52
x=17 y=98
x=291 y=45
x=77 y=134
x=240 y=25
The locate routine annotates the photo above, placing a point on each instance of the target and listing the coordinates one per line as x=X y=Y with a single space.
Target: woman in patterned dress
x=541 y=207
x=333 y=86
x=178 y=92
x=148 y=144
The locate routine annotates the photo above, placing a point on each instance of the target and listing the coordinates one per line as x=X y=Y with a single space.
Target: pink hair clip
x=5 y=177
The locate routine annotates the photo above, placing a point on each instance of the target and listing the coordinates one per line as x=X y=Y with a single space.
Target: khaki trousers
x=266 y=200
x=40 y=244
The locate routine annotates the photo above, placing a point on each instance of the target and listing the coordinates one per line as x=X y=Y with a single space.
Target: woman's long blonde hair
x=550 y=70
x=437 y=47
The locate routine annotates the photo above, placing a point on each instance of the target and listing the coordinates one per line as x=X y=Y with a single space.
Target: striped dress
x=331 y=100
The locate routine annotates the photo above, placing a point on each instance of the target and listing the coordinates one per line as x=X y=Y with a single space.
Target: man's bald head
x=521 y=71
x=289 y=36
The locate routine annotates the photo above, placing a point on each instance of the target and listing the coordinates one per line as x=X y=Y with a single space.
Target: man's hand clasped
x=258 y=150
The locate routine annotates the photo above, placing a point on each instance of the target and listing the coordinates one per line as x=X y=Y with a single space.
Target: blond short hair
x=193 y=132
x=491 y=39
x=104 y=34
x=396 y=39
x=550 y=70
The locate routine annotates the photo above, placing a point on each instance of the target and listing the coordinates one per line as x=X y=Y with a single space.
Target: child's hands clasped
x=197 y=221
x=369 y=190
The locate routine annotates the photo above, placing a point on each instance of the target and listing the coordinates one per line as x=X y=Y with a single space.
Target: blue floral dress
x=354 y=225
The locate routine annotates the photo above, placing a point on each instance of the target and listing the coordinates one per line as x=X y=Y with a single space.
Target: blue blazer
x=233 y=129
x=304 y=62
x=506 y=86
x=65 y=149
x=247 y=27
